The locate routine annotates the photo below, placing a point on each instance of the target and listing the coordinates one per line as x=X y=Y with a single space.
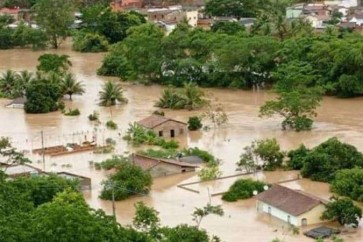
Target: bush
x=326 y=159
x=194 y=123
x=344 y=211
x=42 y=97
x=127 y=181
x=94 y=116
x=72 y=112
x=158 y=112
x=209 y=172
x=204 y=155
x=243 y=189
x=297 y=157
x=89 y=42
x=111 y=125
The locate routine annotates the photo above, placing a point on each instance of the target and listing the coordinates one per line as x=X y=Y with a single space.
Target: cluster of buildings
x=343 y=13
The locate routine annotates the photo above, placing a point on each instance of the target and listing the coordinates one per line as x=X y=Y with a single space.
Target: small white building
x=292 y=206
x=17 y=103
x=344 y=3
x=357 y=19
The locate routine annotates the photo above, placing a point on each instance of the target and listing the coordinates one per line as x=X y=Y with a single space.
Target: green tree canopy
x=322 y=162
x=349 y=182
x=55 y=16
x=53 y=63
x=344 y=211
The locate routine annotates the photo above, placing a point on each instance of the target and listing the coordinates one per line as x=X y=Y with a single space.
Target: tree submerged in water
x=111 y=93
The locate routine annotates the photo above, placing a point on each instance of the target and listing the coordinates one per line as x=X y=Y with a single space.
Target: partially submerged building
x=17 y=103
x=14 y=171
x=84 y=182
x=161 y=167
x=292 y=206
x=163 y=126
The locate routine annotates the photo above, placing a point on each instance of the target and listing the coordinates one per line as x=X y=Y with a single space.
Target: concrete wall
x=312 y=216
x=165 y=169
x=179 y=129
x=192 y=17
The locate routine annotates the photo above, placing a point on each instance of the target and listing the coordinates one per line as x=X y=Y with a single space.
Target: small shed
x=292 y=206
x=321 y=232
x=161 y=167
x=84 y=182
x=163 y=126
x=17 y=103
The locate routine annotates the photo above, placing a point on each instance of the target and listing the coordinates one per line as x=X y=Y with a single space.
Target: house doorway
x=172 y=133
x=160 y=133
x=304 y=222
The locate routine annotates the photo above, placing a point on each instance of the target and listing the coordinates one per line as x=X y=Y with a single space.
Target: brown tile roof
x=147 y=163
x=291 y=201
x=155 y=120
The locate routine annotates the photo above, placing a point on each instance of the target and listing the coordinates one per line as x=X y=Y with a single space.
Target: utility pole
x=43 y=150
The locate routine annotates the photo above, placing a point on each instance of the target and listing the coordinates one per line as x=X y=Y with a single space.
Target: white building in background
x=292 y=206
x=344 y=3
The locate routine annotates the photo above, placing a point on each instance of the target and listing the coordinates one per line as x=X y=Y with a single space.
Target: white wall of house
x=311 y=217
x=263 y=207
x=192 y=17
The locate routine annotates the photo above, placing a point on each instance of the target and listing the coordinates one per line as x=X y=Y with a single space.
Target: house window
x=288 y=219
x=160 y=133
x=162 y=16
x=172 y=133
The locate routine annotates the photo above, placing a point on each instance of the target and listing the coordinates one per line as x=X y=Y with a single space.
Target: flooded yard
x=342 y=118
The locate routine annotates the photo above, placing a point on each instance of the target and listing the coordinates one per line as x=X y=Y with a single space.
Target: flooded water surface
x=342 y=118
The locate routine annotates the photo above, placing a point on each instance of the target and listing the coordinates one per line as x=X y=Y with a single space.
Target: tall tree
x=55 y=16
x=53 y=63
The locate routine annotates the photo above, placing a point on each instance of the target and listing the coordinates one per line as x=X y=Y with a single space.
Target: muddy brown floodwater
x=337 y=117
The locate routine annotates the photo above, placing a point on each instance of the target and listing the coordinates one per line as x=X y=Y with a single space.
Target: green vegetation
x=194 y=123
x=111 y=124
x=42 y=96
x=189 y=97
x=128 y=180
x=200 y=213
x=88 y=42
x=9 y=155
x=110 y=93
x=70 y=86
x=322 y=162
x=138 y=135
x=13 y=84
x=94 y=116
x=54 y=63
x=210 y=172
x=349 y=182
x=146 y=218
x=55 y=20
x=297 y=157
x=243 y=189
x=235 y=8
x=344 y=211
x=215 y=113
x=265 y=151
x=72 y=112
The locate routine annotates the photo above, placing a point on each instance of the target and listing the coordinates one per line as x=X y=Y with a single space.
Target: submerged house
x=292 y=206
x=161 y=167
x=17 y=103
x=84 y=182
x=163 y=126
x=14 y=171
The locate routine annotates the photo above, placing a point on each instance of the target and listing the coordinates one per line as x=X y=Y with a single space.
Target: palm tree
x=169 y=98
x=71 y=86
x=23 y=79
x=8 y=84
x=192 y=96
x=111 y=92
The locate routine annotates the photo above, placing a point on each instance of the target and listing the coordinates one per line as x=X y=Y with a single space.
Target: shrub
x=127 y=181
x=297 y=157
x=243 y=189
x=194 y=123
x=111 y=125
x=158 y=112
x=89 y=42
x=209 y=172
x=349 y=182
x=93 y=116
x=72 y=112
x=204 y=155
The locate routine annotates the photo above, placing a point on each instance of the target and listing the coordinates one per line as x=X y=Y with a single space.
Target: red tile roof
x=155 y=120
x=9 y=10
x=291 y=201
